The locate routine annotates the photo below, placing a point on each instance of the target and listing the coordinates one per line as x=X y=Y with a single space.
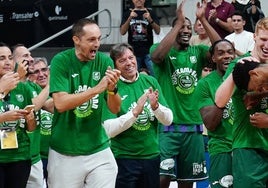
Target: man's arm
x=225 y=92
x=200 y=14
x=165 y=45
x=211 y=116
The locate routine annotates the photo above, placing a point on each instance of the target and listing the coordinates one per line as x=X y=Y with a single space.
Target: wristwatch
x=113 y=92
x=217 y=20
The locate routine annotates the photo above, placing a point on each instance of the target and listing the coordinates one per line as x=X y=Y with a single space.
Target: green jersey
x=18 y=99
x=245 y=135
x=178 y=75
x=78 y=131
x=220 y=140
x=140 y=141
x=45 y=132
x=35 y=135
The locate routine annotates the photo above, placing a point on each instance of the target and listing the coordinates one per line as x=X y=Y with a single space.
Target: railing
x=70 y=27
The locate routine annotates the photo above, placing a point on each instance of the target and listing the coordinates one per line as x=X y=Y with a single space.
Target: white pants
x=98 y=170
x=36 y=178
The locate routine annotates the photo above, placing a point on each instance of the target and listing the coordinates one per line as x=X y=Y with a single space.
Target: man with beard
x=178 y=67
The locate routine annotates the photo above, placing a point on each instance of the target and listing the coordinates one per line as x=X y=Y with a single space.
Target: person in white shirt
x=242 y=40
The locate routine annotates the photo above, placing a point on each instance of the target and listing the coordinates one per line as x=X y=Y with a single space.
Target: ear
x=75 y=39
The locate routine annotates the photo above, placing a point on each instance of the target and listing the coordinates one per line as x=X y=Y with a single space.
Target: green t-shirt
x=220 y=140
x=78 y=131
x=246 y=135
x=45 y=132
x=35 y=135
x=178 y=75
x=19 y=98
x=140 y=141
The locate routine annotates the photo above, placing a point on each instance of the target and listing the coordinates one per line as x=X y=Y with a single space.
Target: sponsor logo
x=172 y=58
x=124 y=97
x=74 y=75
x=57 y=10
x=96 y=76
x=1 y=18
x=24 y=17
x=167 y=164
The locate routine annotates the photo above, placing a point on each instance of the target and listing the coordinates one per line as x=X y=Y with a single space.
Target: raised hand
x=153 y=98
x=9 y=81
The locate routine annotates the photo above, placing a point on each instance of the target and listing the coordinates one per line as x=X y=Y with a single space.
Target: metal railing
x=70 y=27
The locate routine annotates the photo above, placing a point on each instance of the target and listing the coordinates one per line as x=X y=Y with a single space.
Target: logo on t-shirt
x=185 y=80
x=87 y=107
x=143 y=121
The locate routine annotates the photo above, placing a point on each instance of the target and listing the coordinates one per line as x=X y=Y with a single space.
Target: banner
x=30 y=22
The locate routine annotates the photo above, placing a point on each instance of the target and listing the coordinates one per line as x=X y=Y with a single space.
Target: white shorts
x=36 y=178
x=98 y=170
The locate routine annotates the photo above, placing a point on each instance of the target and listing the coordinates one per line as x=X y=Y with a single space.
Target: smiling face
x=224 y=53
x=127 y=64
x=6 y=61
x=41 y=73
x=261 y=45
x=184 y=34
x=87 y=44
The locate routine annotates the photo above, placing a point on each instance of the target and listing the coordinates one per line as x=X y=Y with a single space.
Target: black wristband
x=222 y=108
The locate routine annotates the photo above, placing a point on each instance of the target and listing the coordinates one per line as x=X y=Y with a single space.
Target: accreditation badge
x=9 y=139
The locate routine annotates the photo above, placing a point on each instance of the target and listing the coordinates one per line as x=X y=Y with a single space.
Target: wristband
x=114 y=92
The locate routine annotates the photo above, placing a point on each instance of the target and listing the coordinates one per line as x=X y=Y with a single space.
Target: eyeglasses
x=43 y=70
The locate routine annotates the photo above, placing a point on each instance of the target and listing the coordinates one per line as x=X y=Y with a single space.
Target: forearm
x=225 y=25
x=124 y=27
x=113 y=127
x=225 y=92
x=211 y=116
x=212 y=34
x=164 y=115
x=64 y=101
x=155 y=27
x=40 y=99
x=114 y=103
x=165 y=45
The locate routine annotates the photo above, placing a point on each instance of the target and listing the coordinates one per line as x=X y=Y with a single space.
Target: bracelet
x=113 y=92
x=152 y=22
x=222 y=108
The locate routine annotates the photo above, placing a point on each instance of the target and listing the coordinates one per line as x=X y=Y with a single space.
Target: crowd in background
x=191 y=108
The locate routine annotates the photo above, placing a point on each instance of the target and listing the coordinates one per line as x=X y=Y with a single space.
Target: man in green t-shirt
x=218 y=121
x=133 y=130
x=250 y=127
x=178 y=67
x=80 y=155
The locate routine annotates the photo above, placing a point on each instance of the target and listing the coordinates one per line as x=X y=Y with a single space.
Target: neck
x=202 y=36
x=237 y=31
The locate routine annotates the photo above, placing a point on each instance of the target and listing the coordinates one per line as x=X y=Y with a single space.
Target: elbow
x=156 y=58
x=59 y=106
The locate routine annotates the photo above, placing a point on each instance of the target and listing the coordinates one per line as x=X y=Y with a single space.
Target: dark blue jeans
x=145 y=62
x=138 y=173
x=14 y=174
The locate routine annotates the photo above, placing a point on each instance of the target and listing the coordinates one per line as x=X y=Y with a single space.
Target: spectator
x=135 y=144
x=178 y=67
x=41 y=72
x=243 y=40
x=252 y=11
x=21 y=54
x=218 y=13
x=80 y=155
x=15 y=159
x=250 y=134
x=140 y=23
x=201 y=37
x=218 y=121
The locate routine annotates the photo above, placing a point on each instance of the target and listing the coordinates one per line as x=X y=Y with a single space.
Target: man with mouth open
x=250 y=133
x=178 y=67
x=82 y=80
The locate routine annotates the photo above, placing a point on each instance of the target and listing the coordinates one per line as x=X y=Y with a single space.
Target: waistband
x=183 y=128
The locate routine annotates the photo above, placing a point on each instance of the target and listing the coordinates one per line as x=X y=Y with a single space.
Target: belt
x=183 y=128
